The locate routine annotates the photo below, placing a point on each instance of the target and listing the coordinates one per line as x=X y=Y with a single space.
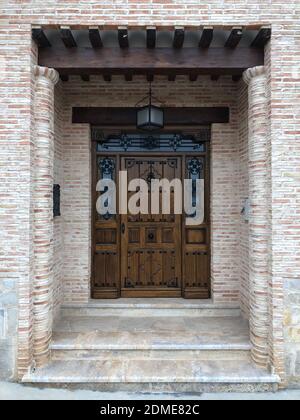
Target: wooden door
x=148 y=255
x=151 y=244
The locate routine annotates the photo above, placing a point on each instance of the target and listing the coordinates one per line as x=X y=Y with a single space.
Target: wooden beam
x=172 y=77
x=150 y=77
x=39 y=36
x=206 y=37
x=262 y=38
x=155 y=61
x=193 y=77
x=64 y=77
x=95 y=37
x=85 y=77
x=234 y=37
x=151 y=36
x=127 y=116
x=123 y=37
x=178 y=37
x=67 y=37
x=215 y=77
x=236 y=78
x=107 y=77
x=128 y=77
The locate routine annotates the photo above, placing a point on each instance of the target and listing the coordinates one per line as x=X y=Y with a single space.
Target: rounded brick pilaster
x=43 y=209
x=258 y=220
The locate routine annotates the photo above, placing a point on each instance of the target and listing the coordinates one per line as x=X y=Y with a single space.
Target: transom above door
x=150 y=255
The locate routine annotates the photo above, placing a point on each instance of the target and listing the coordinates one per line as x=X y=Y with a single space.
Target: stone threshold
x=156 y=303
x=149 y=371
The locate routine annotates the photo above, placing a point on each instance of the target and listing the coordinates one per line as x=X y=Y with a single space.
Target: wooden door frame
x=132 y=130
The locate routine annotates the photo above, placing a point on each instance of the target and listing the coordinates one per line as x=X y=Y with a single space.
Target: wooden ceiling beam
x=193 y=77
x=95 y=37
x=128 y=77
x=151 y=36
x=234 y=38
x=172 y=77
x=215 y=77
x=262 y=38
x=236 y=78
x=40 y=37
x=123 y=37
x=173 y=116
x=107 y=77
x=150 y=77
x=154 y=61
x=206 y=37
x=85 y=77
x=178 y=39
x=67 y=37
x=64 y=77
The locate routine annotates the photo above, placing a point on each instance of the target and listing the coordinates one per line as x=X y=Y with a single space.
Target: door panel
x=106 y=232
x=196 y=239
x=151 y=244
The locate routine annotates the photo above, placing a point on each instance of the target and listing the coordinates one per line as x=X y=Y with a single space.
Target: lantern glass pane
x=157 y=117
x=143 y=117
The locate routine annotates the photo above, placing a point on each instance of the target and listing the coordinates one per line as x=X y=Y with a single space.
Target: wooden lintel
x=150 y=61
x=127 y=116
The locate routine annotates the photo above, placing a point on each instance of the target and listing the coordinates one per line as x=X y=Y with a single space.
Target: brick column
x=43 y=210
x=258 y=220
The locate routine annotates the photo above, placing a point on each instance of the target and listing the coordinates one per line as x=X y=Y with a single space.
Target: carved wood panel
x=151 y=243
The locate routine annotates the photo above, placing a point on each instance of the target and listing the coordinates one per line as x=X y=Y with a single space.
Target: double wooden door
x=150 y=255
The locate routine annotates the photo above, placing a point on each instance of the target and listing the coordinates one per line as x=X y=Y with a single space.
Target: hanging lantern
x=150 y=117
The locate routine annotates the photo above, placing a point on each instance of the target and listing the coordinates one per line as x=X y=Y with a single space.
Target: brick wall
x=16 y=141
x=243 y=195
x=58 y=177
x=224 y=173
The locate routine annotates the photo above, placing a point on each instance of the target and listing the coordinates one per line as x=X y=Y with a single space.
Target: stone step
x=151 y=307
x=175 y=354
x=150 y=338
x=156 y=345
x=172 y=375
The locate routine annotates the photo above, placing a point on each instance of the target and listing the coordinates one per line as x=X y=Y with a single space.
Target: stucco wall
x=16 y=138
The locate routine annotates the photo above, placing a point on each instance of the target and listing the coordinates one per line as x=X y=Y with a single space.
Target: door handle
x=123 y=228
